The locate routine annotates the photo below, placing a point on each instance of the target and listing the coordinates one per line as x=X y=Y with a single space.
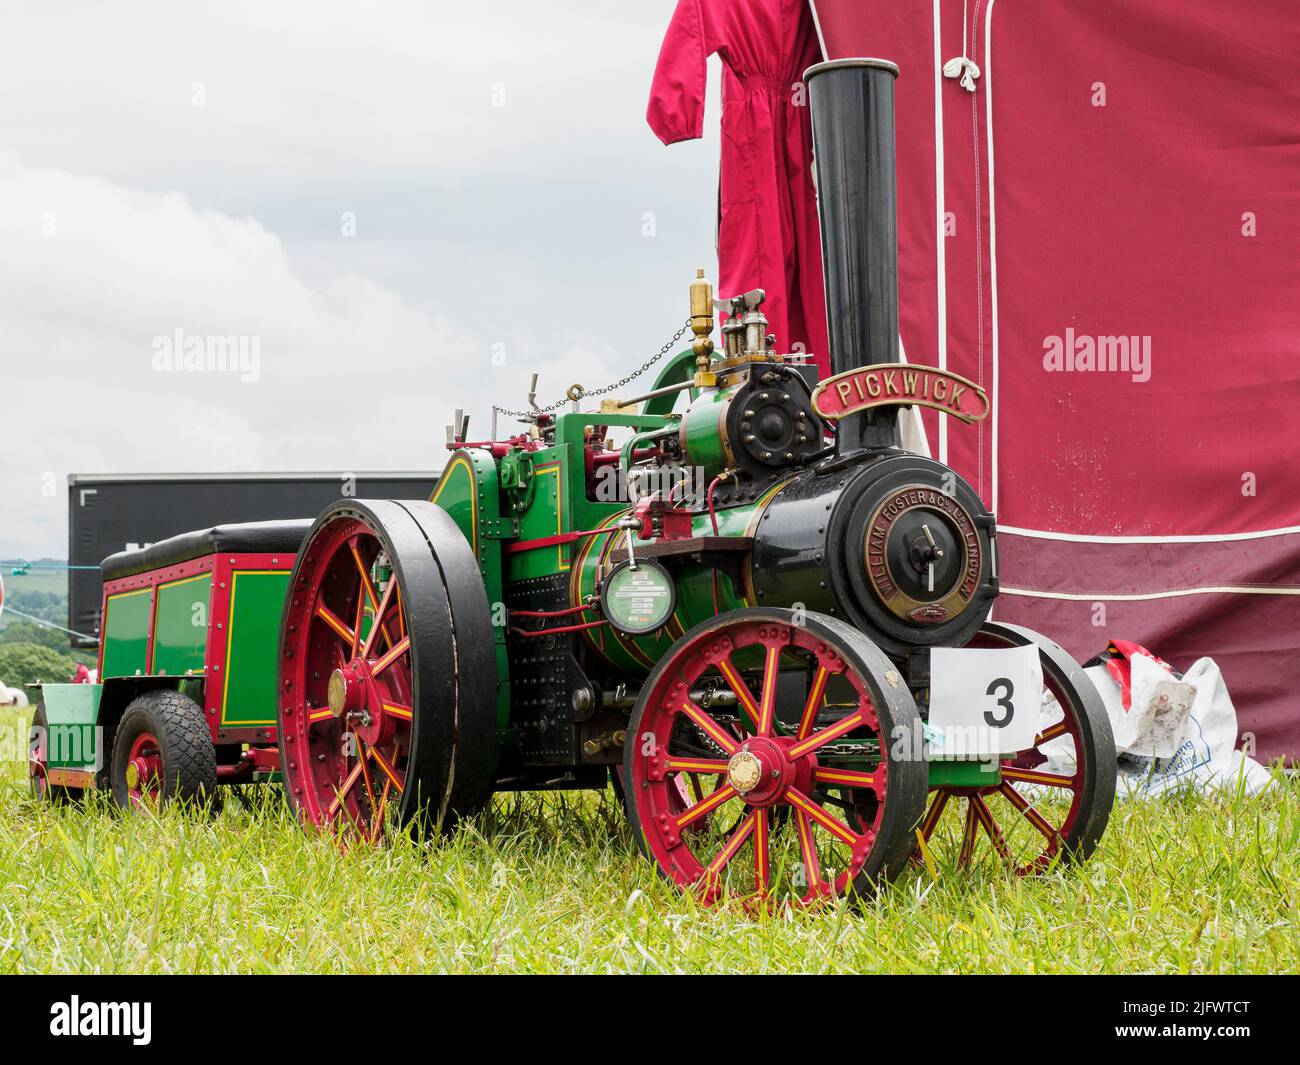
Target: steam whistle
x=702 y=327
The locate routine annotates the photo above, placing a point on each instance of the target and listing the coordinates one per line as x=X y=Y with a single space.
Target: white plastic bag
x=1179 y=731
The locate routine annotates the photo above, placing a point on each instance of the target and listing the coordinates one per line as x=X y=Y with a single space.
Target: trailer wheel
x=162 y=752
x=38 y=762
x=1053 y=801
x=742 y=797
x=388 y=677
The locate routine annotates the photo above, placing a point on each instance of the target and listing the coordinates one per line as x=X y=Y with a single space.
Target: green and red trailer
x=185 y=691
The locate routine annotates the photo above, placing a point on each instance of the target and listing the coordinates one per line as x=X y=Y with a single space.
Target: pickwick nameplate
x=900 y=384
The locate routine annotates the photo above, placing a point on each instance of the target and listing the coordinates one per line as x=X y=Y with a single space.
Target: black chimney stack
x=852 y=103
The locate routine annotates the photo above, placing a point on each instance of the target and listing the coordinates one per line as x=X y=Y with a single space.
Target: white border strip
x=817 y=25
x=1080 y=538
x=993 y=240
x=941 y=251
x=1133 y=597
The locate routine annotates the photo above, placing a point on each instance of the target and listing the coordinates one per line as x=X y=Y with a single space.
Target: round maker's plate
x=637 y=599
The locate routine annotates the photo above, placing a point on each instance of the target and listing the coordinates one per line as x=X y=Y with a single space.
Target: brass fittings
x=702 y=327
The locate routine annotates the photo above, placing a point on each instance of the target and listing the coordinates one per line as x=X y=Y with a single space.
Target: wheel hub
x=144 y=767
x=346 y=692
x=761 y=772
x=744 y=771
x=353 y=695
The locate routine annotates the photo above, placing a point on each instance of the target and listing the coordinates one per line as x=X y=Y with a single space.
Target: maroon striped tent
x=1099 y=217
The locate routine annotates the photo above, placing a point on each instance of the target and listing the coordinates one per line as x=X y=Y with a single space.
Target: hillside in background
x=30 y=651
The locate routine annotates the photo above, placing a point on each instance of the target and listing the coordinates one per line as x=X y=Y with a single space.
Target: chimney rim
x=862 y=61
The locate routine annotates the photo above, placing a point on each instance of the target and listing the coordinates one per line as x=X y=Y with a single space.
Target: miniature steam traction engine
x=735 y=592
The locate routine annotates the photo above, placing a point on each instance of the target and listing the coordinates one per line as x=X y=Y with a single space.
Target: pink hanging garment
x=768 y=235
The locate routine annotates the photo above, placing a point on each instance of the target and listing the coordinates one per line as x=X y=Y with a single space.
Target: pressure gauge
x=638 y=598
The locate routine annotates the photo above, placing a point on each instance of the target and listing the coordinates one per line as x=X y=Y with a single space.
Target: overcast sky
x=199 y=167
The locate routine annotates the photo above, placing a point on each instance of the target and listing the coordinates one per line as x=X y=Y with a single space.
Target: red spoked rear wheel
x=1053 y=801
x=386 y=711
x=774 y=760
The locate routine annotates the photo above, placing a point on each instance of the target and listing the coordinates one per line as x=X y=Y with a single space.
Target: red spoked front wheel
x=775 y=758
x=387 y=693
x=1051 y=802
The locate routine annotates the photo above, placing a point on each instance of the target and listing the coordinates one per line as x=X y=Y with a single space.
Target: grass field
x=1191 y=884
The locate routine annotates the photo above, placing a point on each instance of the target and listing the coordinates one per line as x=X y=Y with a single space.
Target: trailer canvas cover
x=1113 y=255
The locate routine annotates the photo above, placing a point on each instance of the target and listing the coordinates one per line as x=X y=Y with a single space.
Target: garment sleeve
x=676 y=108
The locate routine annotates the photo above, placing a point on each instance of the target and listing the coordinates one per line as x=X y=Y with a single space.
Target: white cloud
x=351 y=376
x=476 y=227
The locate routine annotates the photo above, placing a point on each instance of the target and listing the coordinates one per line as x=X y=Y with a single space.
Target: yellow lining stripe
x=750 y=597
x=712 y=802
x=845 y=776
x=834 y=827
x=389 y=772
x=391 y=655
x=542 y=471
x=832 y=732
x=330 y=618
x=709 y=727
x=814 y=703
x=695 y=765
x=740 y=688
x=767 y=711
x=462 y=462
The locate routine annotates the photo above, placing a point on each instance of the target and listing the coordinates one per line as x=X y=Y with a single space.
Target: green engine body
x=730 y=485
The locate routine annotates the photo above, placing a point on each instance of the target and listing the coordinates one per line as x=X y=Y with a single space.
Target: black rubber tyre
x=474 y=735
x=184 y=747
x=413 y=743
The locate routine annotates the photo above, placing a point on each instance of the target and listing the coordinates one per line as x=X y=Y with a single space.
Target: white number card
x=984 y=701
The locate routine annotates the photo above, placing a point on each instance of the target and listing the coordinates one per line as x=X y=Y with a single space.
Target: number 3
x=1004 y=701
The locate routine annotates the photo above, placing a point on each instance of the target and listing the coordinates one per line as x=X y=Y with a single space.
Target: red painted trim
x=214 y=659
x=551 y=541
x=253 y=760
x=257 y=735
x=152 y=627
x=226 y=566
x=164 y=575
x=560 y=629
x=565 y=613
